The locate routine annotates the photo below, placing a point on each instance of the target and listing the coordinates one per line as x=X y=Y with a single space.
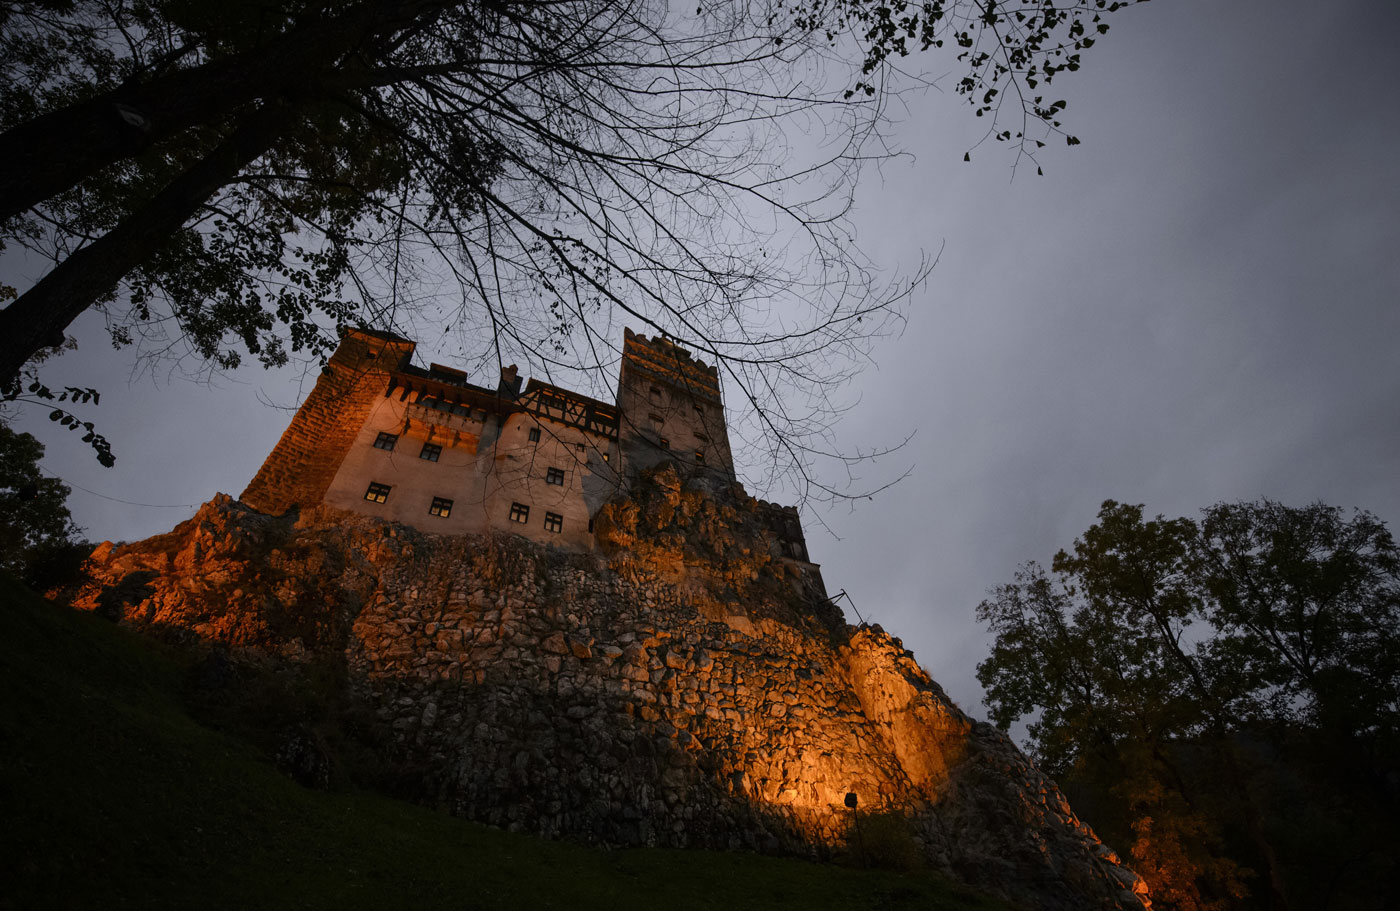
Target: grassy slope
x=112 y=796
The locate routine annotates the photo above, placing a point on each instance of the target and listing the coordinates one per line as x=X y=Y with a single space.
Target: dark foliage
x=1221 y=694
x=39 y=543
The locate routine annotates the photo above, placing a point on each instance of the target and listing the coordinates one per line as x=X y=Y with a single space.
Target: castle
x=673 y=676
x=426 y=448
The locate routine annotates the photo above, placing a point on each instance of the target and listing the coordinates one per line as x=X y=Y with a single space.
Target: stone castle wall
x=484 y=465
x=538 y=463
x=670 y=409
x=302 y=465
x=681 y=688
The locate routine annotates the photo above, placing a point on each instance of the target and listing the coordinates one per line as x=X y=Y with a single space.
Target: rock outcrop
x=682 y=687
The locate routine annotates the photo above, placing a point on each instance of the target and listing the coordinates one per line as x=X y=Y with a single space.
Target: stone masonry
x=306 y=459
x=426 y=447
x=684 y=685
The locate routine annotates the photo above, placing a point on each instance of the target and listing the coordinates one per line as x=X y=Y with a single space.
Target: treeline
x=1219 y=697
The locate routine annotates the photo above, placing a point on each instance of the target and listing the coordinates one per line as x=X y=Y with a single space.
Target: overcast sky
x=1200 y=303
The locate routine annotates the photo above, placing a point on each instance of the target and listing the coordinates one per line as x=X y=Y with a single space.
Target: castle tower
x=669 y=409
x=305 y=460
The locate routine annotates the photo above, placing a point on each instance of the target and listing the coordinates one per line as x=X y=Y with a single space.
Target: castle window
x=664 y=443
x=377 y=493
x=554 y=476
x=655 y=395
x=699 y=457
x=553 y=522
x=607 y=457
x=441 y=507
x=386 y=441
x=519 y=512
x=534 y=434
x=582 y=448
x=431 y=452
x=590 y=524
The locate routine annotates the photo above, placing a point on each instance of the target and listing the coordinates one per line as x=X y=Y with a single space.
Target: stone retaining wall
x=606 y=699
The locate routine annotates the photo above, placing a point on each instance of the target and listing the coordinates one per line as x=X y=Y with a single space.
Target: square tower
x=669 y=409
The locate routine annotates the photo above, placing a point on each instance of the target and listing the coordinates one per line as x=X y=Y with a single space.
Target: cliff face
x=682 y=688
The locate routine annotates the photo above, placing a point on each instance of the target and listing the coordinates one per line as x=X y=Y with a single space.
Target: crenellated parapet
x=784 y=525
x=661 y=360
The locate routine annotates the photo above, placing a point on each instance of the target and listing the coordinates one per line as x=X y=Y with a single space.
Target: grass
x=112 y=796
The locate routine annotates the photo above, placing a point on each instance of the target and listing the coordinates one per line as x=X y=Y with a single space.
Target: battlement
x=785 y=527
x=663 y=360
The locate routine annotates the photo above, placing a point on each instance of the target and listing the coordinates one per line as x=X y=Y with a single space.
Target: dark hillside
x=113 y=797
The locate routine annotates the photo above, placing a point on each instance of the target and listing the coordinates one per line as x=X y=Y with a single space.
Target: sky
x=1199 y=303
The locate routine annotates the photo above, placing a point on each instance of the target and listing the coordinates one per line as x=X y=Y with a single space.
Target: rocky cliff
x=682 y=687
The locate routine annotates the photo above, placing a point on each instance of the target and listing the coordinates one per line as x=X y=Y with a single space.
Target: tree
x=529 y=173
x=1306 y=602
x=1097 y=656
x=1221 y=687
x=39 y=543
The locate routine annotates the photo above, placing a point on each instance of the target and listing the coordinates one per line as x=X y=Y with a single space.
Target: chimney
x=510 y=382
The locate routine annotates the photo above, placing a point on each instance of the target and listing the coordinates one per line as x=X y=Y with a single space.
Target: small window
x=377 y=493
x=607 y=457
x=664 y=443
x=553 y=522
x=441 y=507
x=431 y=452
x=386 y=441
x=655 y=395
x=699 y=457
x=519 y=512
x=590 y=524
x=534 y=434
x=554 y=476
x=582 y=448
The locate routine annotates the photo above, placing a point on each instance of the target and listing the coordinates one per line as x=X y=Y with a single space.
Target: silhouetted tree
x=1178 y=667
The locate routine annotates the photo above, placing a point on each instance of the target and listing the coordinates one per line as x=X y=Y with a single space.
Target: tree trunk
x=58 y=150
x=38 y=318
